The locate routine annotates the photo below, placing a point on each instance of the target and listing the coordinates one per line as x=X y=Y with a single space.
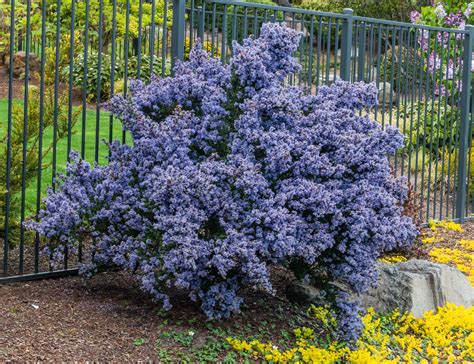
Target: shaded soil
x=18 y=87
x=109 y=318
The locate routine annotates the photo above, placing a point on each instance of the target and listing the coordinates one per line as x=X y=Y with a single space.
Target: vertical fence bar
x=112 y=65
x=471 y=162
x=461 y=192
x=164 y=40
x=377 y=66
x=191 y=23
x=9 y=137
x=71 y=67
x=453 y=135
x=126 y=55
x=213 y=27
x=336 y=49
x=319 y=47
x=25 y=135
x=84 y=82
x=224 y=35
x=234 y=27
x=69 y=111
x=152 y=38
x=202 y=19
x=438 y=120
x=99 y=81
x=177 y=30
x=361 y=53
x=311 y=48
x=328 y=51
x=56 y=92
x=41 y=124
x=84 y=96
x=346 y=45
x=140 y=38
x=446 y=144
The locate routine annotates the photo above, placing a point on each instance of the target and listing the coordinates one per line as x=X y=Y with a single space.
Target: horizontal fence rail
x=61 y=60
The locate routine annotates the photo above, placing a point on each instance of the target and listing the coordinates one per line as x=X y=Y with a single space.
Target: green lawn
x=90 y=142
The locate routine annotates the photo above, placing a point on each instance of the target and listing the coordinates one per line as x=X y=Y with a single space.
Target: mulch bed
x=18 y=87
x=447 y=238
x=100 y=320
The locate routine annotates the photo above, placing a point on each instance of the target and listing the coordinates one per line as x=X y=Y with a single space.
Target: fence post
x=361 y=53
x=177 y=29
x=346 y=45
x=461 y=190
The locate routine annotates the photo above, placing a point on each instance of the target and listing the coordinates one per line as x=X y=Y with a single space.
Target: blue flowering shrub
x=232 y=171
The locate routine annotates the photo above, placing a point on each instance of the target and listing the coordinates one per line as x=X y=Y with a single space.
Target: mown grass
x=61 y=149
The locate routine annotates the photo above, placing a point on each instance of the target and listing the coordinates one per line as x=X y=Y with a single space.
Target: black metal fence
x=60 y=60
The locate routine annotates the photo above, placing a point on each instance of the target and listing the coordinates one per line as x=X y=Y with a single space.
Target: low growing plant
x=431 y=126
x=394 y=337
x=103 y=74
x=232 y=171
x=448 y=169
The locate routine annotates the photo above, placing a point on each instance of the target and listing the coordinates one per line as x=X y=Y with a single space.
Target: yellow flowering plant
x=461 y=256
x=393 y=259
x=446 y=225
x=445 y=336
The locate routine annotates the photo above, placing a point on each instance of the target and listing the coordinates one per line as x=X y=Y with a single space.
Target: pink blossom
x=415 y=16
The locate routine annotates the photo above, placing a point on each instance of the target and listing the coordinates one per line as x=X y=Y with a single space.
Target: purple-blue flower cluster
x=232 y=171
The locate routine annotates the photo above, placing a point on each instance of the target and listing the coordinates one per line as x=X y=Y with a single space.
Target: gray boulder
x=386 y=94
x=416 y=286
x=283 y=3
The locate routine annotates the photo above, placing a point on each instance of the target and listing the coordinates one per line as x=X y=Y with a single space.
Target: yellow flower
x=445 y=336
x=323 y=315
x=429 y=240
x=447 y=225
x=393 y=259
x=462 y=258
x=467 y=244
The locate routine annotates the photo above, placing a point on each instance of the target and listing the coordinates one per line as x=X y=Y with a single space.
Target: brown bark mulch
x=109 y=319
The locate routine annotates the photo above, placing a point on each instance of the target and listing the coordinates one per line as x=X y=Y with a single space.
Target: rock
x=3 y=56
x=329 y=78
x=354 y=52
x=305 y=294
x=416 y=286
x=19 y=61
x=283 y=3
x=385 y=88
x=296 y=25
x=420 y=286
